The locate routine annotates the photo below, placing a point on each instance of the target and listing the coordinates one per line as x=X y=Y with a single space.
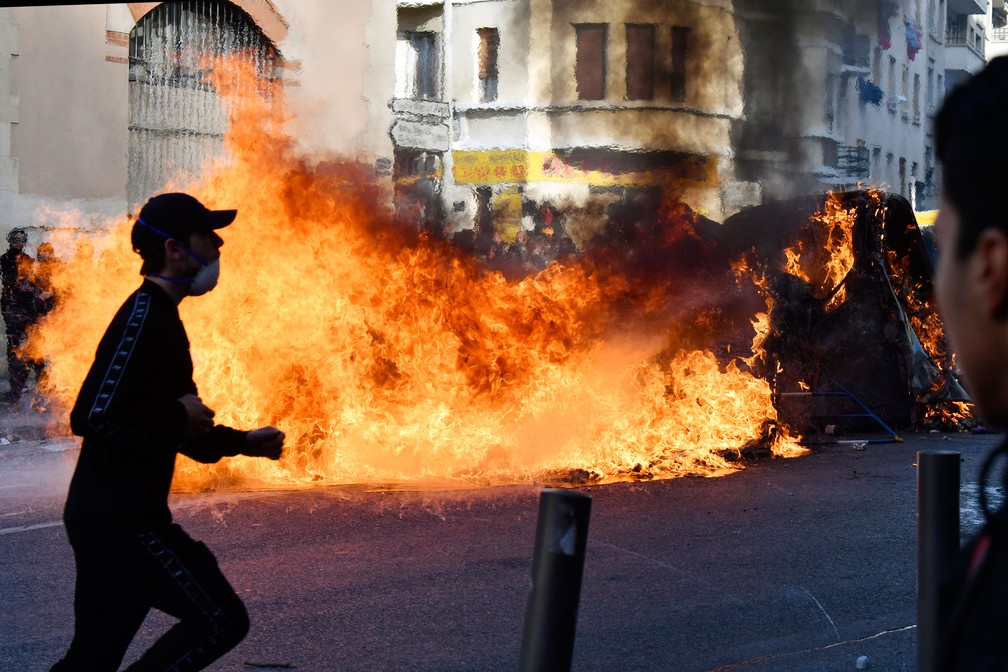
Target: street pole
x=557 y=568
x=937 y=544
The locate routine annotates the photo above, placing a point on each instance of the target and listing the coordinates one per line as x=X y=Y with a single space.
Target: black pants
x=121 y=577
x=17 y=368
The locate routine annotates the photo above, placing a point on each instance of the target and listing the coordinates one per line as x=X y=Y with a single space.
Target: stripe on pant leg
x=180 y=574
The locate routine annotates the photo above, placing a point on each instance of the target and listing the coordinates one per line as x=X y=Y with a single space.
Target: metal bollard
x=557 y=568
x=937 y=544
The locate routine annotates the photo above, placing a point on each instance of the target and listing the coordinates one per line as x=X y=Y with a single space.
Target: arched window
x=176 y=119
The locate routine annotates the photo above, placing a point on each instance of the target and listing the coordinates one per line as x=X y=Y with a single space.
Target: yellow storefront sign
x=519 y=166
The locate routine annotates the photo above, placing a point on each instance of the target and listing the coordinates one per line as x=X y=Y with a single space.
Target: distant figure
x=17 y=303
x=971 y=285
x=137 y=409
x=43 y=296
x=46 y=266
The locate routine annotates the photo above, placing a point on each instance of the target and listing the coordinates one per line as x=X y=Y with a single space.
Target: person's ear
x=991 y=272
x=173 y=250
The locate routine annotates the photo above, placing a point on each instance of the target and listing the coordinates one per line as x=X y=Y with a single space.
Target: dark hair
x=972 y=145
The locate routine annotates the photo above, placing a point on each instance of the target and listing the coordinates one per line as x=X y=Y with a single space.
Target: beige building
x=100 y=104
x=504 y=105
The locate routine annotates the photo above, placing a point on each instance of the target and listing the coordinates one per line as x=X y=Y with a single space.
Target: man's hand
x=199 y=418
x=264 y=442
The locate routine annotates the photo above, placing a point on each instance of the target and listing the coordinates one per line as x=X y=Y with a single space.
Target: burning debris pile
x=847 y=278
x=391 y=355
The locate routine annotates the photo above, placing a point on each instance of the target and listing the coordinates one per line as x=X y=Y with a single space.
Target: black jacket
x=131 y=420
x=974 y=598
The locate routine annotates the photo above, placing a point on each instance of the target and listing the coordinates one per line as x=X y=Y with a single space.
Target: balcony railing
x=952 y=40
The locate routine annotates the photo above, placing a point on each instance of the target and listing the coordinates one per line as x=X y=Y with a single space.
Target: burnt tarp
x=862 y=332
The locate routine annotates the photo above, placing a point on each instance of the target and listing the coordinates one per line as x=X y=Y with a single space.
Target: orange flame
x=387 y=358
x=831 y=258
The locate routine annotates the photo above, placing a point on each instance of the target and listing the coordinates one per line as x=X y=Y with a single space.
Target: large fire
x=387 y=356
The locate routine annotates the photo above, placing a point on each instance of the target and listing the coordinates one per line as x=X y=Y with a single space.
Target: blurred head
x=971 y=278
x=17 y=238
x=972 y=145
x=45 y=252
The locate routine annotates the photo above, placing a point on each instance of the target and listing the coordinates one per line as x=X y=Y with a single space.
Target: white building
x=875 y=74
x=997 y=30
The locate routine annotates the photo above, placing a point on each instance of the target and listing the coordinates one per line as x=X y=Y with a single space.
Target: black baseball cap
x=177 y=216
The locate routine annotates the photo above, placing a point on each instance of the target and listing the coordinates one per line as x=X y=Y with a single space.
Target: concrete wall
x=346 y=49
x=70 y=139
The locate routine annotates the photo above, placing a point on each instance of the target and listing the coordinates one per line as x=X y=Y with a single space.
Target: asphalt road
x=798 y=565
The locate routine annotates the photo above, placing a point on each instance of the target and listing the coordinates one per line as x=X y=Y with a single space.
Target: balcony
x=967 y=6
x=853 y=161
x=961 y=54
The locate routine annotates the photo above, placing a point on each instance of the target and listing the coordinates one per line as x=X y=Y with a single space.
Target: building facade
x=875 y=74
x=478 y=113
x=503 y=107
x=100 y=105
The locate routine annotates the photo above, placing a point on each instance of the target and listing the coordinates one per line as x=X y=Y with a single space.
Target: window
x=589 y=69
x=829 y=102
x=915 y=185
x=929 y=96
x=417 y=66
x=677 y=73
x=916 y=98
x=640 y=62
x=904 y=89
x=170 y=44
x=486 y=63
x=891 y=88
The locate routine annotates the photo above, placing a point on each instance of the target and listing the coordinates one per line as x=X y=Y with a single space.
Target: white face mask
x=205 y=279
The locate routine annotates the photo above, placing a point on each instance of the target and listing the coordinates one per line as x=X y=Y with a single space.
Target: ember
x=387 y=355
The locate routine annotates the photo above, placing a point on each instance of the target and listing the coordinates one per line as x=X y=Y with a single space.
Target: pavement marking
x=15 y=513
x=29 y=528
x=818 y=604
x=771 y=656
x=657 y=562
